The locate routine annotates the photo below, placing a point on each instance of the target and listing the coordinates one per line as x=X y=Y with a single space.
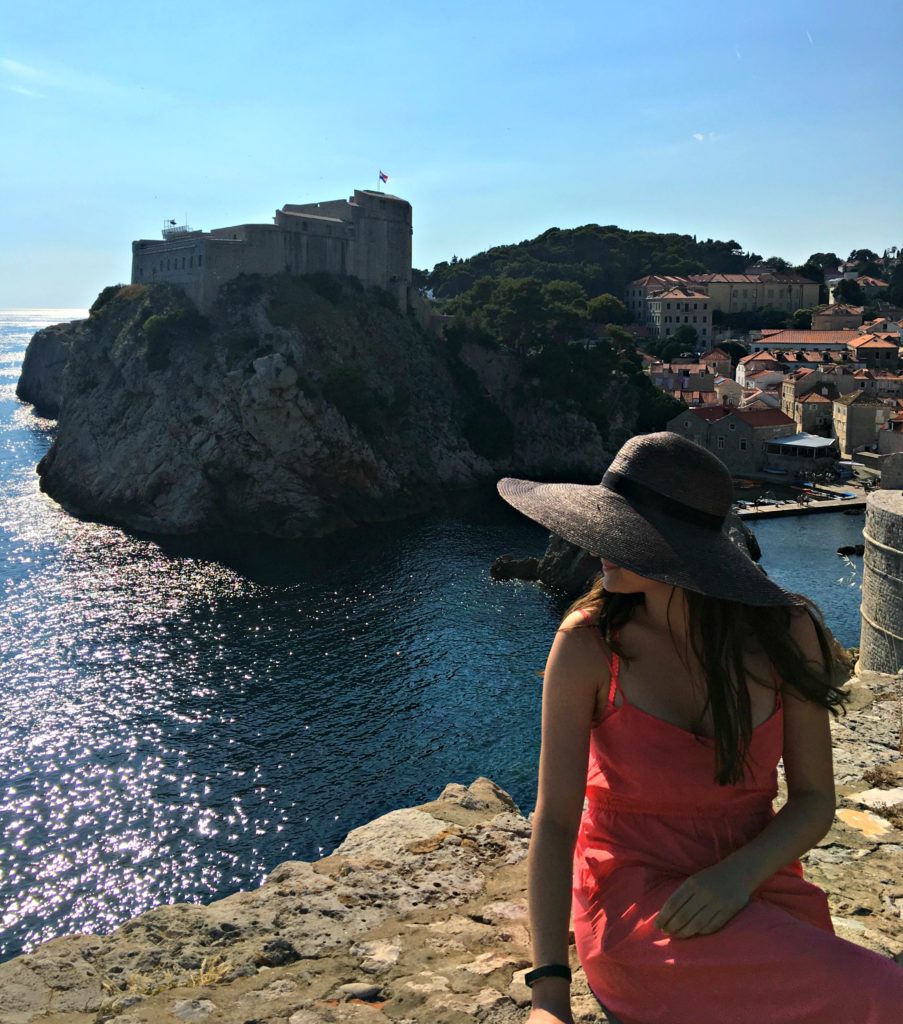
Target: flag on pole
x=383 y=177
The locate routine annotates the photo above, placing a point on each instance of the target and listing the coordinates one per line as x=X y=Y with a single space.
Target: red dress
x=654 y=817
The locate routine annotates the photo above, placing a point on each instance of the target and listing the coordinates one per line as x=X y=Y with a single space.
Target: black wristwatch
x=547 y=971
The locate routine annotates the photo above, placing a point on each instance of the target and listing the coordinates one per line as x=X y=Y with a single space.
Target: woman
x=680 y=679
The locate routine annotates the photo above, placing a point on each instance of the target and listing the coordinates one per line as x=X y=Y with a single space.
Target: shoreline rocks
x=421 y=915
x=41 y=378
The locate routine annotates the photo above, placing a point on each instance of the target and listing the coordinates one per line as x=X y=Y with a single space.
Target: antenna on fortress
x=172 y=230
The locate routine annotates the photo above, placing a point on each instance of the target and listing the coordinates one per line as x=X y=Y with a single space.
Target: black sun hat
x=660 y=511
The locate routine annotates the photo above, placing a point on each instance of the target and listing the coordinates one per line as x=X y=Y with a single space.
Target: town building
x=740 y=293
x=757 y=398
x=728 y=391
x=880 y=383
x=777 y=339
x=637 y=293
x=801 y=455
x=876 y=351
x=737 y=436
x=870 y=285
x=753 y=363
x=814 y=412
x=805 y=380
x=837 y=317
x=719 y=361
x=857 y=419
x=890 y=438
x=766 y=379
x=367 y=236
x=883 y=325
x=681 y=376
x=676 y=307
x=727 y=293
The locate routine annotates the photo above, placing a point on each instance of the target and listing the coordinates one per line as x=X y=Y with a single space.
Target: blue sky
x=776 y=123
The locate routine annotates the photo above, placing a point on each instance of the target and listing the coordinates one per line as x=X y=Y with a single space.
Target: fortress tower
x=367 y=236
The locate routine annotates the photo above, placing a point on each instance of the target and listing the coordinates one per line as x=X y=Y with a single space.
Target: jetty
x=768 y=510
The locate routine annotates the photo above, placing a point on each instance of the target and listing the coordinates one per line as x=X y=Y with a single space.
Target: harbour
x=176 y=721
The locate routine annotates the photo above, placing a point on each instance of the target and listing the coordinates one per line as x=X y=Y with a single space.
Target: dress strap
x=778 y=686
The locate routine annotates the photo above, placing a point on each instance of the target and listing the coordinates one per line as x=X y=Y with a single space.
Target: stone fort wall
x=881 y=640
x=367 y=236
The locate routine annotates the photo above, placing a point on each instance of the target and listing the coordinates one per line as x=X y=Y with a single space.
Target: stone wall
x=367 y=235
x=881 y=642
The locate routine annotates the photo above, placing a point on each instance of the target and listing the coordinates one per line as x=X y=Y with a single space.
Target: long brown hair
x=718 y=634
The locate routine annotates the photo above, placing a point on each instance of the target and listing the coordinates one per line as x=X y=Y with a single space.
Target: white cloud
x=17 y=70
x=699 y=137
x=57 y=79
x=22 y=91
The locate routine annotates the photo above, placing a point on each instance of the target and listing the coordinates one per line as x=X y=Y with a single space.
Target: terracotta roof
x=695 y=397
x=725 y=278
x=763 y=417
x=758 y=373
x=814 y=398
x=758 y=357
x=763 y=278
x=871 y=282
x=711 y=415
x=839 y=309
x=871 y=341
x=804 y=339
x=683 y=295
x=643 y=282
x=715 y=352
x=860 y=398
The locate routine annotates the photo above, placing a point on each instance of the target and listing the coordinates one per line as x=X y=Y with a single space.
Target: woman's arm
x=710 y=898
x=574 y=672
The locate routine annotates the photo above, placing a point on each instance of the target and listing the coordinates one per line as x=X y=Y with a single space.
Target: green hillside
x=600 y=259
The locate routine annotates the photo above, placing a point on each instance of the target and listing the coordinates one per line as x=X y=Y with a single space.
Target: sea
x=177 y=717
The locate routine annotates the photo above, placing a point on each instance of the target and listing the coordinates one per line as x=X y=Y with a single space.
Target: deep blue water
x=173 y=724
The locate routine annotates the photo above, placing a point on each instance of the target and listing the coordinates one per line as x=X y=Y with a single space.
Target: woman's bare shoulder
x=580 y=617
x=579 y=635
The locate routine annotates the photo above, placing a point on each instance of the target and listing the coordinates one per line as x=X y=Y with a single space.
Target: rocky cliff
x=41 y=377
x=421 y=916
x=301 y=406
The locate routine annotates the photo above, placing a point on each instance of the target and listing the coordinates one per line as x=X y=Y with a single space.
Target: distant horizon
x=496 y=122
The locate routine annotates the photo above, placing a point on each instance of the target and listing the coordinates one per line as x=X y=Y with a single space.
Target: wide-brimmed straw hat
x=659 y=511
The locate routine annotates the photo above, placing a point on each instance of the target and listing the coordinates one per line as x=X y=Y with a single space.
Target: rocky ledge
x=299 y=406
x=421 y=915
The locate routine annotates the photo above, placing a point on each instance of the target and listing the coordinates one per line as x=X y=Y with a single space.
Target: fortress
x=367 y=236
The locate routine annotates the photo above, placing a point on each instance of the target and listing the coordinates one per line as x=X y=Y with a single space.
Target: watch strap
x=547 y=971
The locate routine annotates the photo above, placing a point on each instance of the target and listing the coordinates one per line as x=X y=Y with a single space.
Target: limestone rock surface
x=421 y=916
x=289 y=412
x=41 y=377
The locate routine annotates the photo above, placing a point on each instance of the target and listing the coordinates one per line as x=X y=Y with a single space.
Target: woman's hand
x=704 y=903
